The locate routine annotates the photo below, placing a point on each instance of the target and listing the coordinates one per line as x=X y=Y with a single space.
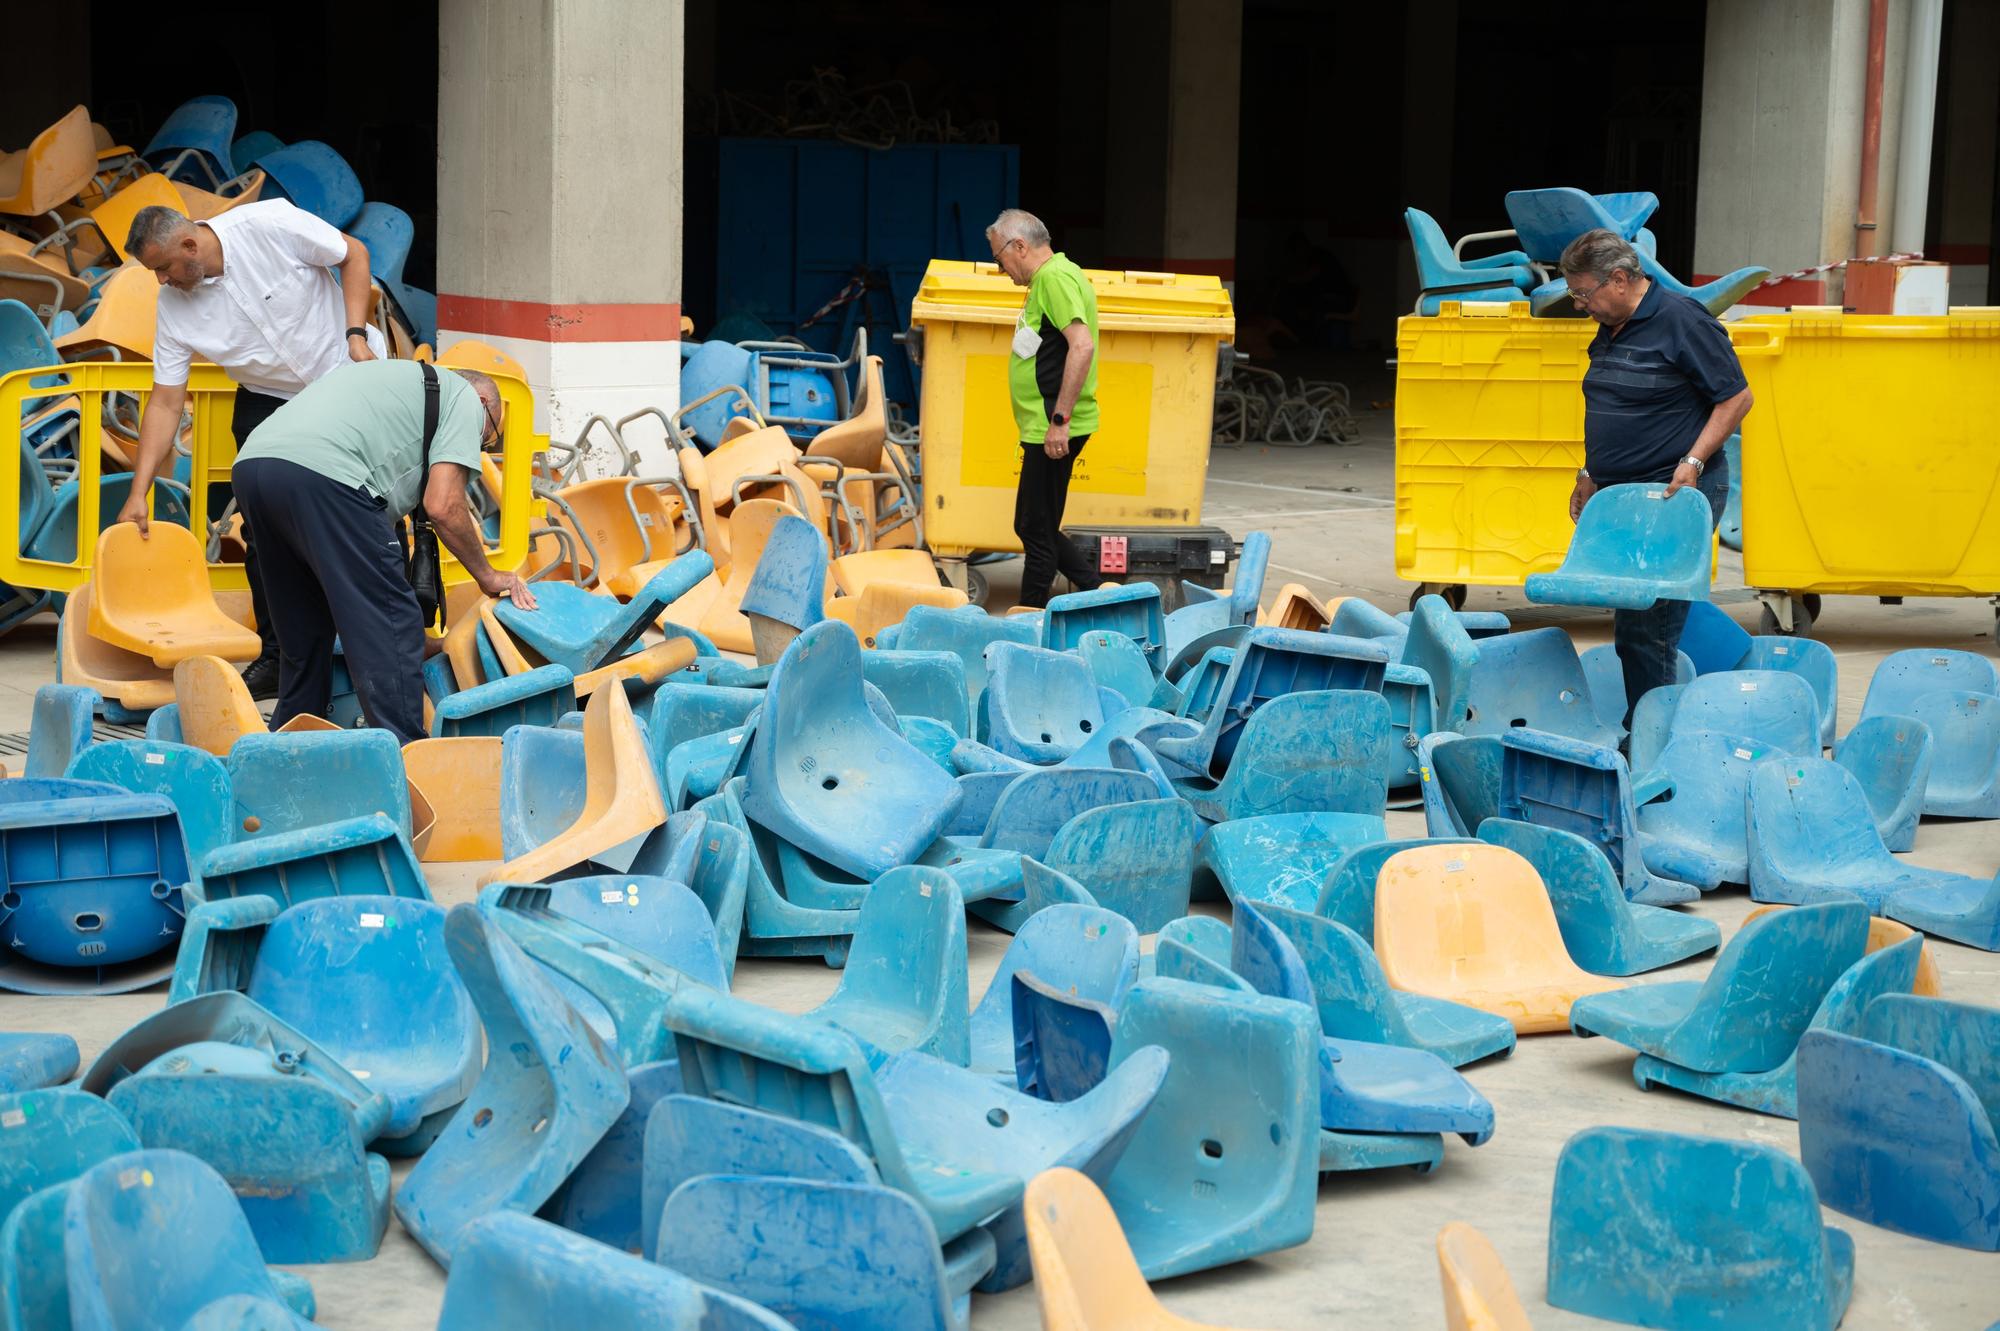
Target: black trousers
x=1038 y=512
x=252 y=410
x=333 y=565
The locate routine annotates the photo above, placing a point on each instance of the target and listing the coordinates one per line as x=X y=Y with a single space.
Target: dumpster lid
x=958 y=288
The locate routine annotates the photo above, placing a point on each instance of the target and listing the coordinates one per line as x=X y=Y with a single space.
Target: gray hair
x=1598 y=254
x=488 y=391
x=1014 y=224
x=155 y=225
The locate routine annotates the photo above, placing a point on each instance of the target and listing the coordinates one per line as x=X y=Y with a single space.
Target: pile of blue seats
x=1545 y=221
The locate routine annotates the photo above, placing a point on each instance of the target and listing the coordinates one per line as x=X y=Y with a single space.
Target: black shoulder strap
x=431 y=390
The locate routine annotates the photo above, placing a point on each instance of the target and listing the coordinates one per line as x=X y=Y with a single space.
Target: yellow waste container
x=1158 y=337
x=1871 y=460
x=1489 y=435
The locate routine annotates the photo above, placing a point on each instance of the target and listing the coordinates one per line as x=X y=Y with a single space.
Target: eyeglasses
x=1583 y=298
x=492 y=422
x=1004 y=248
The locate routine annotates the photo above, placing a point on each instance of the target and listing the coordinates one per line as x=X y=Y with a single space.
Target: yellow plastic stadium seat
x=1085 y=1275
x=1297 y=608
x=1473 y=924
x=755 y=453
x=723 y=622
x=856 y=443
x=854 y=574
x=885 y=603
x=37 y=280
x=52 y=169
x=114 y=216
x=126 y=317
x=621 y=545
x=463 y=777
x=461 y=646
x=650 y=666
x=1881 y=933
x=153 y=598
x=621 y=798
x=216 y=707
x=127 y=678
x=1478 y=1293
x=472 y=354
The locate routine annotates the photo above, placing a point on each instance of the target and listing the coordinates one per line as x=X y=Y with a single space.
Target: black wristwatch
x=1057 y=418
x=361 y=333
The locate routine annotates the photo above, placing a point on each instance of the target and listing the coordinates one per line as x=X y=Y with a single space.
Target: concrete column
x=1171 y=135
x=559 y=201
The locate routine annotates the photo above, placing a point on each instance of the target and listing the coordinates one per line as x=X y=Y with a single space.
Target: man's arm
x=157 y=428
x=354 y=292
x=445 y=502
x=1722 y=422
x=1076 y=368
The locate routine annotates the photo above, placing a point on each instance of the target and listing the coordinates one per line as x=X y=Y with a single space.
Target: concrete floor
x=1370 y=1262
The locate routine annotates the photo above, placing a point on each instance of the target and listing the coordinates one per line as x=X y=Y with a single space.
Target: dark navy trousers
x=252 y=409
x=1038 y=515
x=1647 y=640
x=332 y=564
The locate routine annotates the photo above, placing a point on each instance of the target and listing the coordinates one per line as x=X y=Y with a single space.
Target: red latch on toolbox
x=1111 y=554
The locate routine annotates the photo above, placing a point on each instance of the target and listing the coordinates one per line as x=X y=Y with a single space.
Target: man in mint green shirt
x=1052 y=380
x=324 y=481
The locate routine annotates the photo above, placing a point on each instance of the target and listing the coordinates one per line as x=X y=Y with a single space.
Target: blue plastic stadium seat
x=31 y=1060
x=55 y=1135
x=282 y=783
x=1776 y=707
x=1251 y=1157
x=1547 y=220
x=1748 y=1014
x=540 y=697
x=516 y=1273
x=194 y=779
x=1194 y=948
x=966 y=633
x=1529 y=680
x=904 y=986
x=1363 y=1086
x=1442 y=276
x=1119 y=664
x=170 y=1216
x=843 y=1256
x=1272 y=663
x=532 y=1117
x=1132 y=611
x=1205 y=611
x=542 y=775
x=921 y=684
x=926 y=1124
x=1438 y=644
x=829 y=776
x=1897 y=1119
x=1603 y=931
x=316 y=178
x=1347 y=893
x=603 y=1198
x=582 y=631
x=91 y=887
x=1039 y=706
x=1890 y=756
x=1652 y=722
x=1319 y=752
x=787 y=587
x=1694 y=825
x=366 y=978
x=1811 y=661
x=1281 y=858
x=1905 y=676
x=1583 y=788
x=773 y=924
x=1889 y=970
x=191 y=1076
x=1062 y=1040
x=60 y=727
x=1712 y=640
x=199 y=130
x=1086 y=951
x=1813 y=838
x=1460 y=782
x=1605 y=675
x=1681 y=1233
x=1965 y=757
x=1356 y=617
x=658 y=917
x=1955 y=906
x=1136 y=859
x=387 y=231
x=1634 y=546
x=358 y=856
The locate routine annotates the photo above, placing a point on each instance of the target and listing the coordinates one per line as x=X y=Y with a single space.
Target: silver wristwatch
x=1692 y=461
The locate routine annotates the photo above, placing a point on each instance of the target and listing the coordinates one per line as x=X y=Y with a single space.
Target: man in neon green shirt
x=1052 y=380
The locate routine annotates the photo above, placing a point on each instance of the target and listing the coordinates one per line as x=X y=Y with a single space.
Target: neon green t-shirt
x=1058 y=296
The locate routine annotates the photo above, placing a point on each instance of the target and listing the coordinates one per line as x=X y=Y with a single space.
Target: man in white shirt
x=252 y=290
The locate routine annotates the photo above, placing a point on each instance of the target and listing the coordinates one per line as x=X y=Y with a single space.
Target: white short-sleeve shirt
x=274 y=320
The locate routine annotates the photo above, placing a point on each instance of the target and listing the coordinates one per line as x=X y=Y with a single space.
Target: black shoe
x=261 y=677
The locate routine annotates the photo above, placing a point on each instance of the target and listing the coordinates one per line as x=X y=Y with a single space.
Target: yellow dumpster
x=1144 y=469
x=1872 y=457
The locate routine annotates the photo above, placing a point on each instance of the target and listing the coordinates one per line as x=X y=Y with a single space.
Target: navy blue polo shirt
x=1650 y=388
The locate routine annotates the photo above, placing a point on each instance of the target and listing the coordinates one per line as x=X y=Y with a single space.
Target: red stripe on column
x=535 y=321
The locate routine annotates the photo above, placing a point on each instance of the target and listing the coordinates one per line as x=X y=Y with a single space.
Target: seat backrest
x=1907 y=675
x=316 y=178
x=1195 y=948
x=1478 y=1293
x=1652 y=723
x=1472 y=916
x=1709 y=802
x=1350 y=992
x=1347 y=893
x=926 y=683
x=1968 y=761
x=215 y=705
x=909 y=944
x=1776 y=708
x=1531 y=679
x=1769 y=980
x=289 y=782
x=1085 y=1274
x=1711 y=639
x=126 y=317
x=1462 y=781
x=1437 y=645
x=1891 y=757
x=657 y=917
x=1964 y=1037
x=965 y=632
x=1808 y=658
x=59 y=164
x=59 y=1133
x=1435 y=263
x=1271 y=663
x=387 y=232
x=1039 y=705
x=1807 y=814
x=1261 y=953
x=1132 y=609
x=1582 y=887
x=1086 y=951
x=1036 y=804
x=856 y=443
x=1547 y=220
x=1324 y=751
x=1638 y=531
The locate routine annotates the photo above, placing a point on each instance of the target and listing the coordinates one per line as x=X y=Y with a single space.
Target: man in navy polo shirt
x=1663 y=392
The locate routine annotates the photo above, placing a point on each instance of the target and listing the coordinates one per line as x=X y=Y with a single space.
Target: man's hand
x=1585 y=488
x=1683 y=475
x=1056 y=442
x=135 y=512
x=510 y=585
x=358 y=349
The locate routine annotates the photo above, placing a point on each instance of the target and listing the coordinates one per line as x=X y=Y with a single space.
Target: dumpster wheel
x=1453 y=593
x=1804 y=613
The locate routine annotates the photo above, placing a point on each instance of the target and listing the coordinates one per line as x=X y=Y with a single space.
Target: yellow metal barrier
x=211 y=398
